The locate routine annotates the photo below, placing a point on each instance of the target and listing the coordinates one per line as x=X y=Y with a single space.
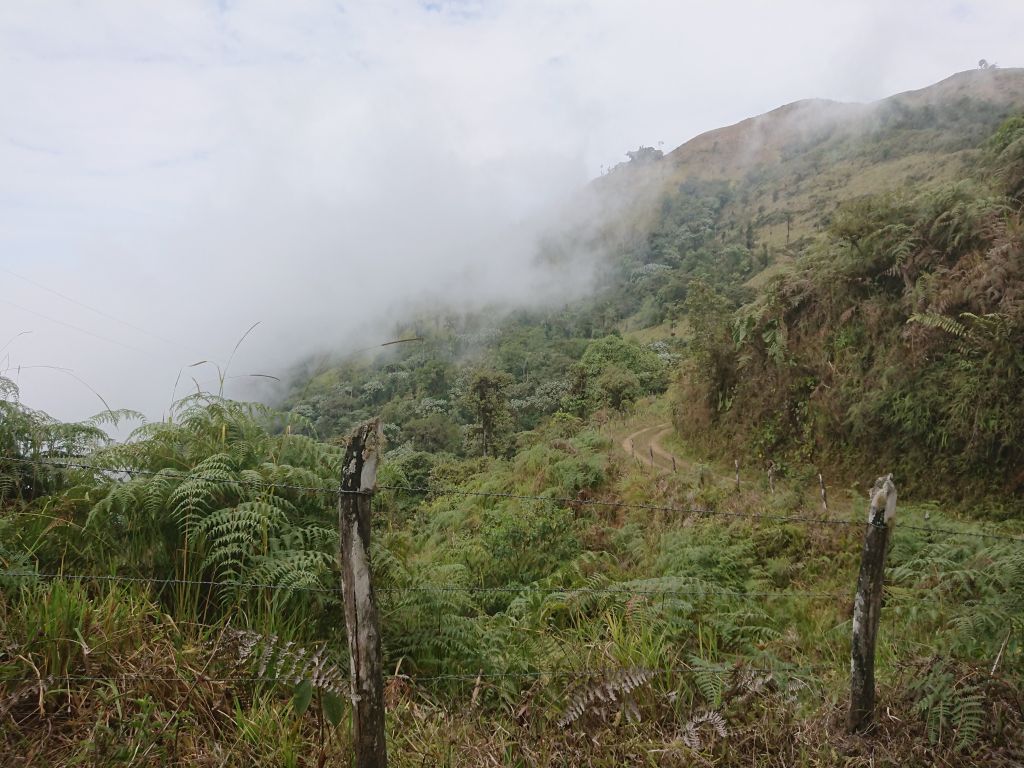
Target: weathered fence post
x=736 y=463
x=824 y=498
x=771 y=476
x=358 y=480
x=650 y=449
x=674 y=463
x=867 y=606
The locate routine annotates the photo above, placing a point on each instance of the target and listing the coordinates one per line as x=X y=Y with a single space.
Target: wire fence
x=902 y=596
x=173 y=475
x=623 y=590
x=568 y=501
x=581 y=674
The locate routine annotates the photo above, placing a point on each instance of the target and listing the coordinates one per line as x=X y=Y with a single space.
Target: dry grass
x=171 y=695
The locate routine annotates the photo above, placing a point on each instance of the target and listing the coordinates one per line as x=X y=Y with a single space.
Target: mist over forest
x=481 y=383
x=222 y=166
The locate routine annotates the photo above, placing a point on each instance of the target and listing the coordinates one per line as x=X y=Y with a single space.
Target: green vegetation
x=546 y=599
x=898 y=338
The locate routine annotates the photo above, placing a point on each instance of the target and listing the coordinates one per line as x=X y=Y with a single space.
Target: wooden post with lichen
x=358 y=480
x=824 y=497
x=867 y=607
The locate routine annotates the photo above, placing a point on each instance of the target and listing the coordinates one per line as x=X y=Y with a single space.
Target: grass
x=100 y=673
x=592 y=611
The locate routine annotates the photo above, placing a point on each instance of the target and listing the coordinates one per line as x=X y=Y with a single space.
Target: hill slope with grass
x=808 y=280
x=791 y=166
x=598 y=534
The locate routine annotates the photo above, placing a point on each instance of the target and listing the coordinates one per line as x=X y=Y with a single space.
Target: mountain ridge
x=997 y=86
x=796 y=163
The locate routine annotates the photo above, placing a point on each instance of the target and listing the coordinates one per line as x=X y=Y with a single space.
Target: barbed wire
x=566 y=500
x=335 y=489
x=582 y=674
x=622 y=590
x=524 y=590
x=954 y=532
x=165 y=581
x=704 y=511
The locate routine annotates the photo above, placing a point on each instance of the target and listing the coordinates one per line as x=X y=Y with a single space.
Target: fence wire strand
x=584 y=674
x=902 y=595
x=623 y=590
x=565 y=500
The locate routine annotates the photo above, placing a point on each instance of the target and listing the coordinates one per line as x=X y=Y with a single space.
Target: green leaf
x=303 y=695
x=334 y=707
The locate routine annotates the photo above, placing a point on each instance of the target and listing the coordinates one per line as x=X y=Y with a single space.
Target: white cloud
x=193 y=167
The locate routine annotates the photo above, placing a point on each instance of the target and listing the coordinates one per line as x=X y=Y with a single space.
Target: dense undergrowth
x=545 y=598
x=666 y=631
x=902 y=329
x=889 y=333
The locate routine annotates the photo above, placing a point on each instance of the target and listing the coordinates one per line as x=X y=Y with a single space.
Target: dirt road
x=645 y=443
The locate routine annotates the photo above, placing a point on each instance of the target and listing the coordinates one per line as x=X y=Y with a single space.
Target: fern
x=943 y=323
x=607 y=693
x=710 y=679
x=285 y=661
x=428 y=620
x=214 y=500
x=952 y=707
x=691 y=732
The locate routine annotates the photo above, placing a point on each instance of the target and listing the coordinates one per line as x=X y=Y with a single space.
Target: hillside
x=789 y=169
x=621 y=531
x=800 y=160
x=738 y=210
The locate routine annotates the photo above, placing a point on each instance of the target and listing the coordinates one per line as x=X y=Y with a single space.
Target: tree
x=486 y=398
x=712 y=351
x=619 y=387
x=643 y=362
x=432 y=378
x=577 y=396
x=435 y=433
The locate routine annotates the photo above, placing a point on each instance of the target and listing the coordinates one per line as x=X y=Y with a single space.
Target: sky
x=172 y=173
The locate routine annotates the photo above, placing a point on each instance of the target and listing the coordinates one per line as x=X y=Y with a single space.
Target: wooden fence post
x=867 y=606
x=650 y=449
x=736 y=463
x=358 y=480
x=674 y=463
x=824 y=498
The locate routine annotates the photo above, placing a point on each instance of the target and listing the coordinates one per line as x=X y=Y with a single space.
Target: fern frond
x=607 y=692
x=286 y=661
x=691 y=732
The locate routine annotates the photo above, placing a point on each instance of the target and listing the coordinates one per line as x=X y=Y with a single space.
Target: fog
x=173 y=173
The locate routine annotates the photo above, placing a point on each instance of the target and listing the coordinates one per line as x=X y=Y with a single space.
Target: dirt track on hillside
x=644 y=444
